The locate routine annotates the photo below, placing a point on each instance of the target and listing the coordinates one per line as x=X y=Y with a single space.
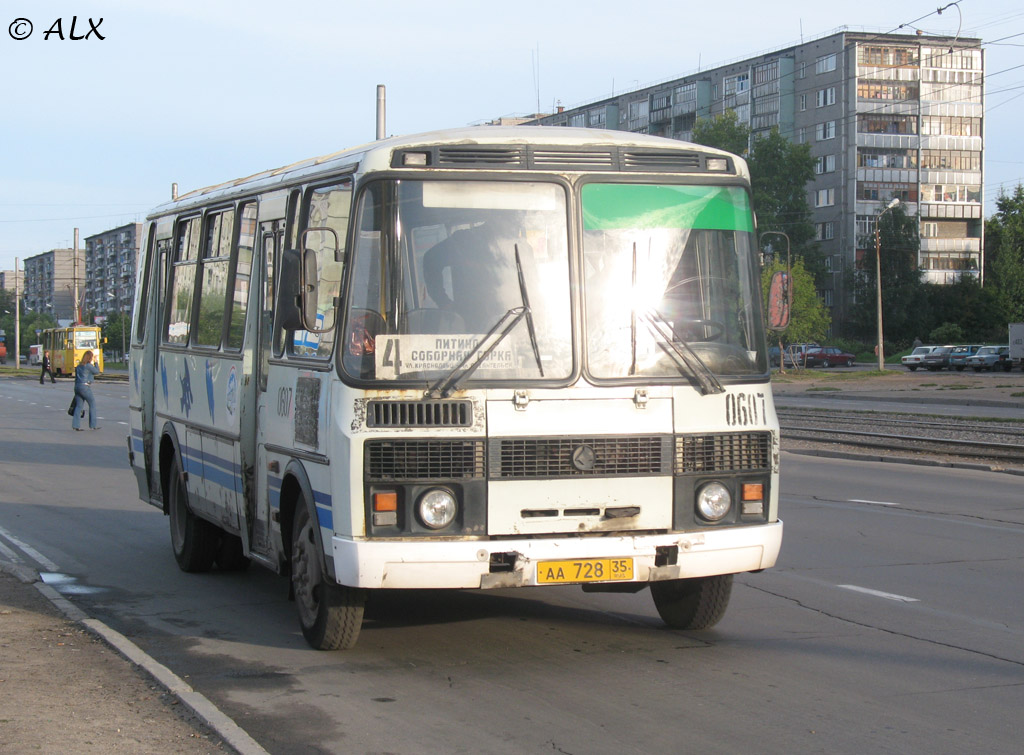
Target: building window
x=891 y=91
x=825 y=231
x=869 y=157
x=801 y=135
x=801 y=70
x=950 y=193
x=825 y=97
x=825 y=63
x=882 y=191
x=736 y=84
x=950 y=125
x=826 y=130
x=892 y=57
x=950 y=159
x=824 y=197
x=889 y=124
x=803 y=101
x=596 y=118
x=929 y=230
x=825 y=164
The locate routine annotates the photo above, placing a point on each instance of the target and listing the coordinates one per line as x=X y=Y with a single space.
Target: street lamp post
x=878 y=280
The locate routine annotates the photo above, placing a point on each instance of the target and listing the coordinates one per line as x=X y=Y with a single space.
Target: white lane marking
x=879 y=594
x=876 y=503
x=29 y=551
x=11 y=555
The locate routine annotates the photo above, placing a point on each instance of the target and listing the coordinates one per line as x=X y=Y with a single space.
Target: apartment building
x=110 y=260
x=886 y=115
x=50 y=282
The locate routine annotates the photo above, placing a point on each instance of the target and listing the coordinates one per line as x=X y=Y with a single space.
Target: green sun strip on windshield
x=716 y=208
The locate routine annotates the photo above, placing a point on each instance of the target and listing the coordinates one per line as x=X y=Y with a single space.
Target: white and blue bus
x=478 y=358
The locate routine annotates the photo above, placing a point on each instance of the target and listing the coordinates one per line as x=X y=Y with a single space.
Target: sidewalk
x=63 y=689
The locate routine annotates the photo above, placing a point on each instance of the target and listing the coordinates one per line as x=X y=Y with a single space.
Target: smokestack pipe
x=380 y=111
x=174 y=192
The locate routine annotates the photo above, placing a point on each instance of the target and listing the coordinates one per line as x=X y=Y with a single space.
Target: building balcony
x=951 y=245
x=956 y=211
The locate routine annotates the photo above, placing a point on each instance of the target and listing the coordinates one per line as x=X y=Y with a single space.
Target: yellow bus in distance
x=67 y=345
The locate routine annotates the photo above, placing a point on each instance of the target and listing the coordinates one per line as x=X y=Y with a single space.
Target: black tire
x=959 y=368
x=193 y=540
x=977 y=369
x=826 y=364
x=912 y=368
x=330 y=614
x=230 y=554
x=692 y=603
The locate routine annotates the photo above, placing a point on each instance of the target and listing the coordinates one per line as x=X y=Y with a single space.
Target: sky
x=94 y=131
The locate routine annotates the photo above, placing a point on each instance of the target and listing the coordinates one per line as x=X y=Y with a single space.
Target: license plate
x=584 y=570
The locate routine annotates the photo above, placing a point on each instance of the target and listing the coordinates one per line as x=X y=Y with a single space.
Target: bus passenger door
x=255 y=416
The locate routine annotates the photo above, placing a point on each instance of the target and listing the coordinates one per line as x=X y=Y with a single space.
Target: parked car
x=828 y=356
x=797 y=352
x=958 y=357
x=990 y=358
x=937 y=358
x=913 y=360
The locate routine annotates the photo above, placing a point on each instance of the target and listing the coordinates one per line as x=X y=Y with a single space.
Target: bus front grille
x=724 y=452
x=547 y=458
x=426 y=413
x=394 y=460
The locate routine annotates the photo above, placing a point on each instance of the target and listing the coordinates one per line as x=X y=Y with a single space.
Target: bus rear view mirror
x=780 y=301
x=289 y=293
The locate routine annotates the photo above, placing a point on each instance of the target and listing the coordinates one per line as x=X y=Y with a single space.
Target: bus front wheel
x=331 y=615
x=194 y=540
x=692 y=603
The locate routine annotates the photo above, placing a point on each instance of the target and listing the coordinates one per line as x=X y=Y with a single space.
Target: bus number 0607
x=743 y=409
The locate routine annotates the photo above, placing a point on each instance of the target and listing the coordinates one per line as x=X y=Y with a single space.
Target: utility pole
x=878 y=280
x=78 y=318
x=17 y=314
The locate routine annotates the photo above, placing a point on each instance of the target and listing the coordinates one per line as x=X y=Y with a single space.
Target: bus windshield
x=438 y=264
x=670 y=265
x=86 y=339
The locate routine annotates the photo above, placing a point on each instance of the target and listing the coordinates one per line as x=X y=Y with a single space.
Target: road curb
x=231 y=733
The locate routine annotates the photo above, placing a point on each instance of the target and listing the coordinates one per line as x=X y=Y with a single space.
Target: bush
x=948 y=332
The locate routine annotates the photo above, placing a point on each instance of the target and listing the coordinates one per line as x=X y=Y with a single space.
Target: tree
x=906 y=309
x=723 y=132
x=30 y=323
x=779 y=173
x=1005 y=253
x=809 y=317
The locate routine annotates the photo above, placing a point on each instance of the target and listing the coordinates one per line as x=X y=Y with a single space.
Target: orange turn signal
x=385 y=501
x=752 y=491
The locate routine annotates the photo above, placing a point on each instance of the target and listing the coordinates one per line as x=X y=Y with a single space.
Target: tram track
x=1000 y=442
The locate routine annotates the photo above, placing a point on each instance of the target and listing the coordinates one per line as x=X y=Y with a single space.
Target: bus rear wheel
x=692 y=603
x=331 y=615
x=193 y=540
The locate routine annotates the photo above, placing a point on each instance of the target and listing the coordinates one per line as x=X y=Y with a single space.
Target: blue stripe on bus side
x=324 y=512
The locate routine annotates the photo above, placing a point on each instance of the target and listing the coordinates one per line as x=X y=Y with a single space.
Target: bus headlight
x=437 y=508
x=713 y=501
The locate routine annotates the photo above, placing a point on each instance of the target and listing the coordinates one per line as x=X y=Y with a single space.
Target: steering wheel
x=712 y=329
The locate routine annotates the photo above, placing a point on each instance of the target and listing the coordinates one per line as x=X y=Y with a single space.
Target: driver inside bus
x=482 y=282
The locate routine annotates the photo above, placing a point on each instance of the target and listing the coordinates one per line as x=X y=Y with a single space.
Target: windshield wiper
x=444 y=387
x=529 y=313
x=681 y=353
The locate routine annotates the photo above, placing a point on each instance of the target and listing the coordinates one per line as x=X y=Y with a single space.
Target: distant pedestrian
x=917 y=342
x=46 y=368
x=84 y=373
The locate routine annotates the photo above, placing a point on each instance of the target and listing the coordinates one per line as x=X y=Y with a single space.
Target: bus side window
x=241 y=274
x=328 y=207
x=212 y=303
x=182 y=283
x=144 y=282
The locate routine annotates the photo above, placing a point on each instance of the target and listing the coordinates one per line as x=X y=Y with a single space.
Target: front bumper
x=484 y=564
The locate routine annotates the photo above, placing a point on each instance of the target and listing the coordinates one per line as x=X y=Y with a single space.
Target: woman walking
x=84 y=373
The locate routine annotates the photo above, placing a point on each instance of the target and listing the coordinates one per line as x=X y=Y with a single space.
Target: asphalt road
x=893 y=622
